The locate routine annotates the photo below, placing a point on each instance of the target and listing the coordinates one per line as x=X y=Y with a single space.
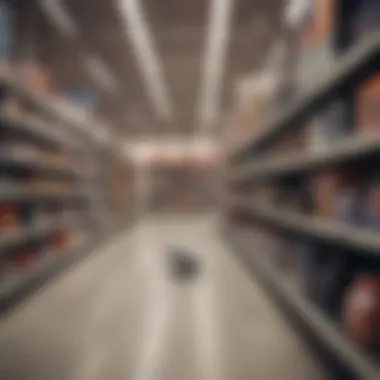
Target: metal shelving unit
x=352 y=360
x=251 y=167
x=321 y=229
x=348 y=151
x=36 y=128
x=48 y=128
x=354 y=68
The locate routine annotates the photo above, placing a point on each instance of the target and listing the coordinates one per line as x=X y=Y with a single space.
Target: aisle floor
x=118 y=315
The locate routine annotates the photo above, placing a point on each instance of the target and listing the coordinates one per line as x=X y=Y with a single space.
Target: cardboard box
x=368 y=106
x=324 y=188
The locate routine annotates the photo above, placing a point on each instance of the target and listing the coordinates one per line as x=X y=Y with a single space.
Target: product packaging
x=324 y=188
x=368 y=106
x=24 y=259
x=318 y=55
x=9 y=218
x=361 y=311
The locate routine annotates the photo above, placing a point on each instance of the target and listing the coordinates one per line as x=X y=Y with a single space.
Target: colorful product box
x=363 y=22
x=317 y=57
x=361 y=311
x=367 y=118
x=324 y=188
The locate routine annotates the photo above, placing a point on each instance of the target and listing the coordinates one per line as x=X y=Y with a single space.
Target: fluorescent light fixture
x=214 y=64
x=137 y=30
x=295 y=12
x=58 y=15
x=100 y=73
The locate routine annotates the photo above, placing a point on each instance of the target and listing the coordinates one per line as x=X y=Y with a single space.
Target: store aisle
x=118 y=315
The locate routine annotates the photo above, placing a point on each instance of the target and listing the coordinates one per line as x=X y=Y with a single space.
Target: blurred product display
x=51 y=188
x=320 y=229
x=288 y=162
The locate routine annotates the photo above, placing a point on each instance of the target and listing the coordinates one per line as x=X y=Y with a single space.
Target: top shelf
x=356 y=66
x=42 y=101
x=349 y=150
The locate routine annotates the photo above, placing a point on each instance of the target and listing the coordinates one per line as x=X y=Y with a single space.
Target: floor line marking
x=157 y=319
x=106 y=295
x=207 y=333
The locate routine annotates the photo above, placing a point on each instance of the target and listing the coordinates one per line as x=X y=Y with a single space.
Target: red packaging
x=368 y=106
x=361 y=311
x=9 y=219
x=25 y=259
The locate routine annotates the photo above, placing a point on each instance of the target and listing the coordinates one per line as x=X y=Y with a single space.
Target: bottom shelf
x=352 y=363
x=16 y=288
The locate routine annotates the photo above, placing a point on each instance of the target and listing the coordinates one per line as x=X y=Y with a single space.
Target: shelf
x=15 y=288
x=31 y=125
x=17 y=193
x=349 y=150
x=338 y=233
x=36 y=163
x=355 y=67
x=324 y=330
x=39 y=230
x=47 y=104
x=41 y=101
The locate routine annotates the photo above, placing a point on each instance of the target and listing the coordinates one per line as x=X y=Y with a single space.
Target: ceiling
x=179 y=30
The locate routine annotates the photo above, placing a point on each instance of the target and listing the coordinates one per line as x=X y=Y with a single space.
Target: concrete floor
x=117 y=315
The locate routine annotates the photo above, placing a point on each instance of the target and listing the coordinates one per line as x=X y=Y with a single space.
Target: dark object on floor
x=184 y=264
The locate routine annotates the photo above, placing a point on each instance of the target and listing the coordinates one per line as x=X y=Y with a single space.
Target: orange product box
x=323 y=20
x=25 y=259
x=324 y=189
x=319 y=26
x=9 y=219
x=368 y=106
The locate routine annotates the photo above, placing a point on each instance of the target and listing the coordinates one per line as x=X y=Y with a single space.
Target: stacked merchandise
x=340 y=280
x=253 y=100
x=345 y=284
x=319 y=50
x=45 y=206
